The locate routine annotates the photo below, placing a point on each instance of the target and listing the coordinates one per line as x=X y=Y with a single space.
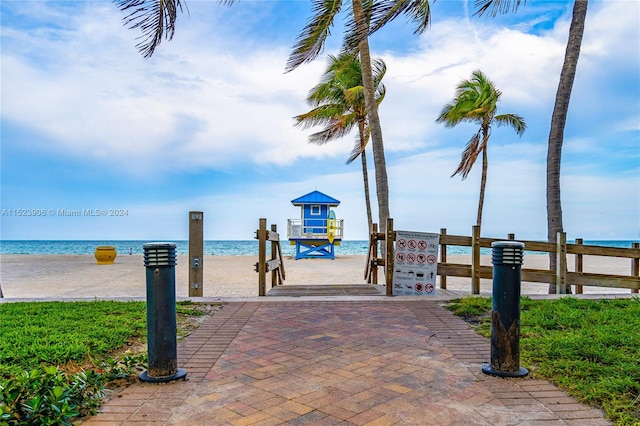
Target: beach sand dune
x=78 y=276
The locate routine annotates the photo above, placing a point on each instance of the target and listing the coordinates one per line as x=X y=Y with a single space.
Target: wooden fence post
x=578 y=265
x=262 y=257
x=389 y=262
x=635 y=266
x=196 y=252
x=374 y=259
x=443 y=258
x=475 y=260
x=561 y=263
x=281 y=271
x=274 y=255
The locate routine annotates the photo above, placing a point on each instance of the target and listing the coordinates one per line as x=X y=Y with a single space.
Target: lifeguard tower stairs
x=317 y=232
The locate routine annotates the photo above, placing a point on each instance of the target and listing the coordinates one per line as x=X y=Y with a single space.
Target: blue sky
x=206 y=123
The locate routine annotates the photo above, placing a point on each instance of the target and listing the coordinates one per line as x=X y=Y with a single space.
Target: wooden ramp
x=327 y=290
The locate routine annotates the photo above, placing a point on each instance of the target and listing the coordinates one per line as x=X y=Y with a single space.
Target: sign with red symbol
x=416 y=263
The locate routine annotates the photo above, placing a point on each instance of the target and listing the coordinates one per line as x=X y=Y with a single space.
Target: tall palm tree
x=338 y=104
x=559 y=116
x=476 y=101
x=366 y=17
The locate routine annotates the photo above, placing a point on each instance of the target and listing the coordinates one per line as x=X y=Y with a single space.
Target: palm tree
x=476 y=101
x=559 y=116
x=338 y=104
x=366 y=17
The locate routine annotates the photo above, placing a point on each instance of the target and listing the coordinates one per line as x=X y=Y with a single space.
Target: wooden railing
x=275 y=265
x=314 y=229
x=560 y=277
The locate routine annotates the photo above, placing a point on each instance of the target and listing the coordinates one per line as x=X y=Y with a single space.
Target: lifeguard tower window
x=315 y=210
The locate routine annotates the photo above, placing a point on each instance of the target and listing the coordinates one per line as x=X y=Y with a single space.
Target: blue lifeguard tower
x=317 y=232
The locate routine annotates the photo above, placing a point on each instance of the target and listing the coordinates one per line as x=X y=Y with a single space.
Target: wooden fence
x=275 y=265
x=560 y=277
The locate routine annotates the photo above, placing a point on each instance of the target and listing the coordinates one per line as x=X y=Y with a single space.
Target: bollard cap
x=159 y=254
x=159 y=245
x=507 y=252
x=510 y=243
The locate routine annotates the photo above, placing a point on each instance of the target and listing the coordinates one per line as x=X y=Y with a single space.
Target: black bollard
x=160 y=261
x=506 y=257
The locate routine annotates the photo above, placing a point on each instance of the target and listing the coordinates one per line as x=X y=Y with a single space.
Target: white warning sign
x=416 y=263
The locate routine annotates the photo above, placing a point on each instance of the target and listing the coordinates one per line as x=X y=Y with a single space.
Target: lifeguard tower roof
x=315 y=197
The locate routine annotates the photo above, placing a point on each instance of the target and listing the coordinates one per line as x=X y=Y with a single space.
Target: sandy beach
x=79 y=276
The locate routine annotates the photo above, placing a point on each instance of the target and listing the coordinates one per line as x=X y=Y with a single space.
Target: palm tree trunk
x=483 y=179
x=365 y=178
x=382 y=185
x=558 y=121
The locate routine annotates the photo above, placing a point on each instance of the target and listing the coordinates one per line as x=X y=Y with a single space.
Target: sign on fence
x=416 y=263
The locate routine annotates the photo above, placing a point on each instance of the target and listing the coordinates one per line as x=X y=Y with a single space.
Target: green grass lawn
x=57 y=357
x=589 y=348
x=58 y=333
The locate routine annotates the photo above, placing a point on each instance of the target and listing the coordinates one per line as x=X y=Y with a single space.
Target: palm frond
x=156 y=19
x=420 y=12
x=335 y=129
x=320 y=115
x=378 y=69
x=354 y=95
x=385 y=11
x=353 y=156
x=469 y=156
x=360 y=145
x=310 y=42
x=342 y=72
x=381 y=92
x=497 y=6
x=514 y=121
x=379 y=13
x=444 y=116
x=475 y=100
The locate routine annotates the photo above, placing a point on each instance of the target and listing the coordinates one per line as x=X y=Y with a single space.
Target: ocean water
x=212 y=248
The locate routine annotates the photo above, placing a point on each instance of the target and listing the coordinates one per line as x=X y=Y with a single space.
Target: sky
x=206 y=124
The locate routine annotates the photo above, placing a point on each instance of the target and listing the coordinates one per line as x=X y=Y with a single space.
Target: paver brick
x=339 y=362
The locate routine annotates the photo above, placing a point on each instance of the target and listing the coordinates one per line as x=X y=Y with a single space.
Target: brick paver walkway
x=340 y=362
